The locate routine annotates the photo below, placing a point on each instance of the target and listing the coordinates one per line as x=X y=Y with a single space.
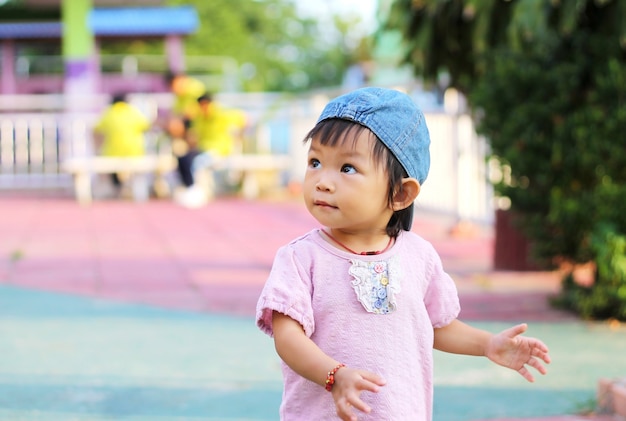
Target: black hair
x=205 y=97
x=119 y=97
x=335 y=131
x=170 y=75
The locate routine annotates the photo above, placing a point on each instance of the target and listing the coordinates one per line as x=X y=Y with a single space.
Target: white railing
x=218 y=73
x=32 y=146
x=31 y=151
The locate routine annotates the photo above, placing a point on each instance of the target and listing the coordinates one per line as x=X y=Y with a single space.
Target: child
x=356 y=307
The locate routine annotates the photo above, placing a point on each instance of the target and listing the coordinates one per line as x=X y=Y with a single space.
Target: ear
x=407 y=194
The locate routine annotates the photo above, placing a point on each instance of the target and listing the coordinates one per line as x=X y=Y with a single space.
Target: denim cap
x=394 y=118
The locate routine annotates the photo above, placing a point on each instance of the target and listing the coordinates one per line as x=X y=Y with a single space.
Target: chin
x=322 y=219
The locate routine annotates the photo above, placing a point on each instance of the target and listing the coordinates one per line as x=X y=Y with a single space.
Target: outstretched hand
x=511 y=350
x=349 y=383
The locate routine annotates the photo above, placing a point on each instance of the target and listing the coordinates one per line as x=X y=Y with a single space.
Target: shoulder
x=414 y=241
x=306 y=251
x=302 y=244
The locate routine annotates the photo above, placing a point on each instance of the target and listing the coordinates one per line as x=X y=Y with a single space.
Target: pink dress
x=370 y=312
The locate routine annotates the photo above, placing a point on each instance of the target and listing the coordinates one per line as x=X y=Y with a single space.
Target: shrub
x=606 y=297
x=557 y=120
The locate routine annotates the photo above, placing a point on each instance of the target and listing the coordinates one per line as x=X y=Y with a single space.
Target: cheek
x=308 y=184
x=382 y=189
x=308 y=179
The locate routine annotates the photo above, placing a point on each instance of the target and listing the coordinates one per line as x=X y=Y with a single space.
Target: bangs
x=336 y=131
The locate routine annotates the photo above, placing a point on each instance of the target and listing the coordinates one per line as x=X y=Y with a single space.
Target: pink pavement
x=217 y=258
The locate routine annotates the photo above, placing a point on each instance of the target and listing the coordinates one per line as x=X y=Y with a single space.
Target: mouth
x=323 y=204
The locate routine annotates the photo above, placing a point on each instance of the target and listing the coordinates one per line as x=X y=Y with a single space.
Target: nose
x=321 y=186
x=324 y=184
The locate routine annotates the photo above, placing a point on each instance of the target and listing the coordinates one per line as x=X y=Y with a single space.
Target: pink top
x=370 y=312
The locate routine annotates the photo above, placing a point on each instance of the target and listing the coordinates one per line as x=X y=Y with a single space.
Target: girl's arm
x=304 y=357
x=506 y=348
x=299 y=352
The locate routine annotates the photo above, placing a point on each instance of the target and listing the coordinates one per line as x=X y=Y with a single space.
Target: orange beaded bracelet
x=330 y=379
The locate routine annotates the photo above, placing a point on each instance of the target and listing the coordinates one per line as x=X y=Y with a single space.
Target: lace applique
x=376 y=285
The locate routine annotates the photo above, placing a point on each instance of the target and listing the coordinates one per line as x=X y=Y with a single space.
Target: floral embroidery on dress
x=376 y=285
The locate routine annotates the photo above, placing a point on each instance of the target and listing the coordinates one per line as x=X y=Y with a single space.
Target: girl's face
x=344 y=188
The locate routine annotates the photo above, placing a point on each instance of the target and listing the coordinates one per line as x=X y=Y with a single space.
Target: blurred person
x=186 y=91
x=356 y=307
x=215 y=132
x=120 y=132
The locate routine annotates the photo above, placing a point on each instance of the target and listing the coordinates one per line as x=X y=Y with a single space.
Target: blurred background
x=525 y=102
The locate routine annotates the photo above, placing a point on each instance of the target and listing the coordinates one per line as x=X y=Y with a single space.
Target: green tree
x=275 y=48
x=547 y=83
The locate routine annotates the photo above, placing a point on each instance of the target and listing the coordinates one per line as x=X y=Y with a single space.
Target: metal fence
x=33 y=145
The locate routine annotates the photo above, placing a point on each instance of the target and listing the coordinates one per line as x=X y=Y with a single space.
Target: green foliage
x=606 y=298
x=17 y=10
x=453 y=37
x=449 y=37
x=556 y=123
x=276 y=49
x=547 y=83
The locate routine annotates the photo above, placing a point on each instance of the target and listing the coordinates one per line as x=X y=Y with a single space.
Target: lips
x=321 y=203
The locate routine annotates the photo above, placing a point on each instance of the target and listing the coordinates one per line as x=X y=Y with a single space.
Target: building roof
x=126 y=21
x=30 y=30
x=143 y=21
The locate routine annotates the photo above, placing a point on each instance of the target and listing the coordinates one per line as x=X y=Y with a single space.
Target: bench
x=138 y=168
x=250 y=165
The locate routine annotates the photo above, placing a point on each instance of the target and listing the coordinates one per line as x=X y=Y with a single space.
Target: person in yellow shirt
x=120 y=132
x=213 y=133
x=217 y=129
x=186 y=90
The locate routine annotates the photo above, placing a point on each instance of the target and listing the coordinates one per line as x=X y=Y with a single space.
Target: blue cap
x=392 y=116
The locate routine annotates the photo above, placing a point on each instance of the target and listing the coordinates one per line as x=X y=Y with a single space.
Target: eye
x=348 y=169
x=314 y=163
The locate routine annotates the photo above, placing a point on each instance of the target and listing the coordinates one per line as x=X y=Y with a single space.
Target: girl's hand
x=510 y=350
x=349 y=383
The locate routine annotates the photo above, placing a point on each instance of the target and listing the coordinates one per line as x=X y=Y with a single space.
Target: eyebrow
x=351 y=153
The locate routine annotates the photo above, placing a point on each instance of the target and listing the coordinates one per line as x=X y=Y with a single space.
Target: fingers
x=542 y=349
x=344 y=411
x=536 y=364
x=357 y=403
x=346 y=406
x=542 y=354
x=372 y=378
x=515 y=330
x=535 y=361
x=369 y=382
x=348 y=388
x=526 y=374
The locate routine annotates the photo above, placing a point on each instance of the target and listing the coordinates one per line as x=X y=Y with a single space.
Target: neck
x=362 y=253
